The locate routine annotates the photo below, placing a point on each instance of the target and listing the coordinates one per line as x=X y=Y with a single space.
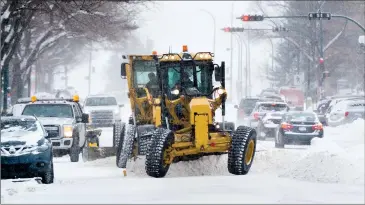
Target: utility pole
x=89 y=77
x=66 y=77
x=231 y=67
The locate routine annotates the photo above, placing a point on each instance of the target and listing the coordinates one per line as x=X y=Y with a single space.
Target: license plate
x=302 y=129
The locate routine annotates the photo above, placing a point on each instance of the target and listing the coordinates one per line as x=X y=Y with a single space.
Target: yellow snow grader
x=188 y=104
x=143 y=91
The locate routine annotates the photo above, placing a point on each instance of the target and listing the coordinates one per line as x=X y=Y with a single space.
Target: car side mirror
x=236 y=106
x=123 y=70
x=85 y=118
x=121 y=105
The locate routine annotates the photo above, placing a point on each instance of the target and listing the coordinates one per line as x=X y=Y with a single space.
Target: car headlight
x=67 y=130
x=117 y=114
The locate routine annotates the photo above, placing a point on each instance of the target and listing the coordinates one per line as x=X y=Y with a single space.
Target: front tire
x=156 y=166
x=75 y=148
x=119 y=145
x=48 y=176
x=242 y=151
x=126 y=147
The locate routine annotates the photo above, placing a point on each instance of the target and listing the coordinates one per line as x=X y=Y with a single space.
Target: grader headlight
x=175 y=92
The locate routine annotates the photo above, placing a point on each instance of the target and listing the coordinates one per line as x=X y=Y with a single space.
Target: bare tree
x=44 y=25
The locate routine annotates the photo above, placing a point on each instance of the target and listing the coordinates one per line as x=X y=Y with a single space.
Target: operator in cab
x=152 y=85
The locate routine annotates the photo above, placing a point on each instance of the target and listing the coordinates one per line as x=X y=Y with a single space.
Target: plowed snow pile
x=336 y=158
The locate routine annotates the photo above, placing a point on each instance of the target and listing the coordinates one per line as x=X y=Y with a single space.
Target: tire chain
x=154 y=153
x=236 y=151
x=127 y=146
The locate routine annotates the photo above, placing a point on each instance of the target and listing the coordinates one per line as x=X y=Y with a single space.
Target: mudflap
x=144 y=133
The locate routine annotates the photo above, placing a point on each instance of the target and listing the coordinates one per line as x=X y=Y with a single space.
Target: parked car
x=264 y=107
x=336 y=99
x=268 y=124
x=298 y=127
x=244 y=109
x=25 y=151
x=346 y=111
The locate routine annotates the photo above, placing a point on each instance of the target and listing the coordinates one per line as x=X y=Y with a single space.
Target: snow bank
x=337 y=158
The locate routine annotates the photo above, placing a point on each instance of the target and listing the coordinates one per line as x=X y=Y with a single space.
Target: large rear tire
x=242 y=151
x=126 y=147
x=156 y=166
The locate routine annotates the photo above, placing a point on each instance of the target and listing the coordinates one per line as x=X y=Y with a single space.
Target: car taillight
x=286 y=126
x=318 y=126
x=256 y=115
x=346 y=114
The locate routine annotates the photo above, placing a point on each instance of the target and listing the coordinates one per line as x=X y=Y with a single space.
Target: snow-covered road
x=331 y=170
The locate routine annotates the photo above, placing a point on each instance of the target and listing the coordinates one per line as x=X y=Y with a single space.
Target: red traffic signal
x=252 y=17
x=233 y=29
x=226 y=29
x=321 y=60
x=245 y=18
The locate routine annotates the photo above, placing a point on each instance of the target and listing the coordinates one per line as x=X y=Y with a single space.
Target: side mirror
x=218 y=73
x=85 y=118
x=121 y=105
x=236 y=106
x=123 y=70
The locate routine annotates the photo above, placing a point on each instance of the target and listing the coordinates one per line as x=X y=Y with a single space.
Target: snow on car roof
x=100 y=96
x=271 y=102
x=20 y=117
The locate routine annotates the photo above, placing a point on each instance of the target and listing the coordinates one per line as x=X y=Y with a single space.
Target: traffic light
x=319 y=15
x=252 y=17
x=233 y=29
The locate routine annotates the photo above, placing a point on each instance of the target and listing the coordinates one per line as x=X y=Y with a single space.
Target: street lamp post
x=214 y=27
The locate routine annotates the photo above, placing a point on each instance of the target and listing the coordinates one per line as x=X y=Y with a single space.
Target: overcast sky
x=177 y=23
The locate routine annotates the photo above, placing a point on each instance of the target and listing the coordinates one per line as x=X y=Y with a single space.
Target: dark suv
x=244 y=109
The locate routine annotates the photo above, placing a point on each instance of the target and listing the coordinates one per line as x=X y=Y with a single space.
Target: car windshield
x=142 y=68
x=303 y=117
x=356 y=105
x=272 y=107
x=49 y=110
x=22 y=125
x=100 y=101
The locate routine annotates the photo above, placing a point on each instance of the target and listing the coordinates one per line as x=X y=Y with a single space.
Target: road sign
x=298 y=79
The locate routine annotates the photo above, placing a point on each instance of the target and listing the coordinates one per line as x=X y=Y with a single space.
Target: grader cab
x=143 y=91
x=188 y=128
